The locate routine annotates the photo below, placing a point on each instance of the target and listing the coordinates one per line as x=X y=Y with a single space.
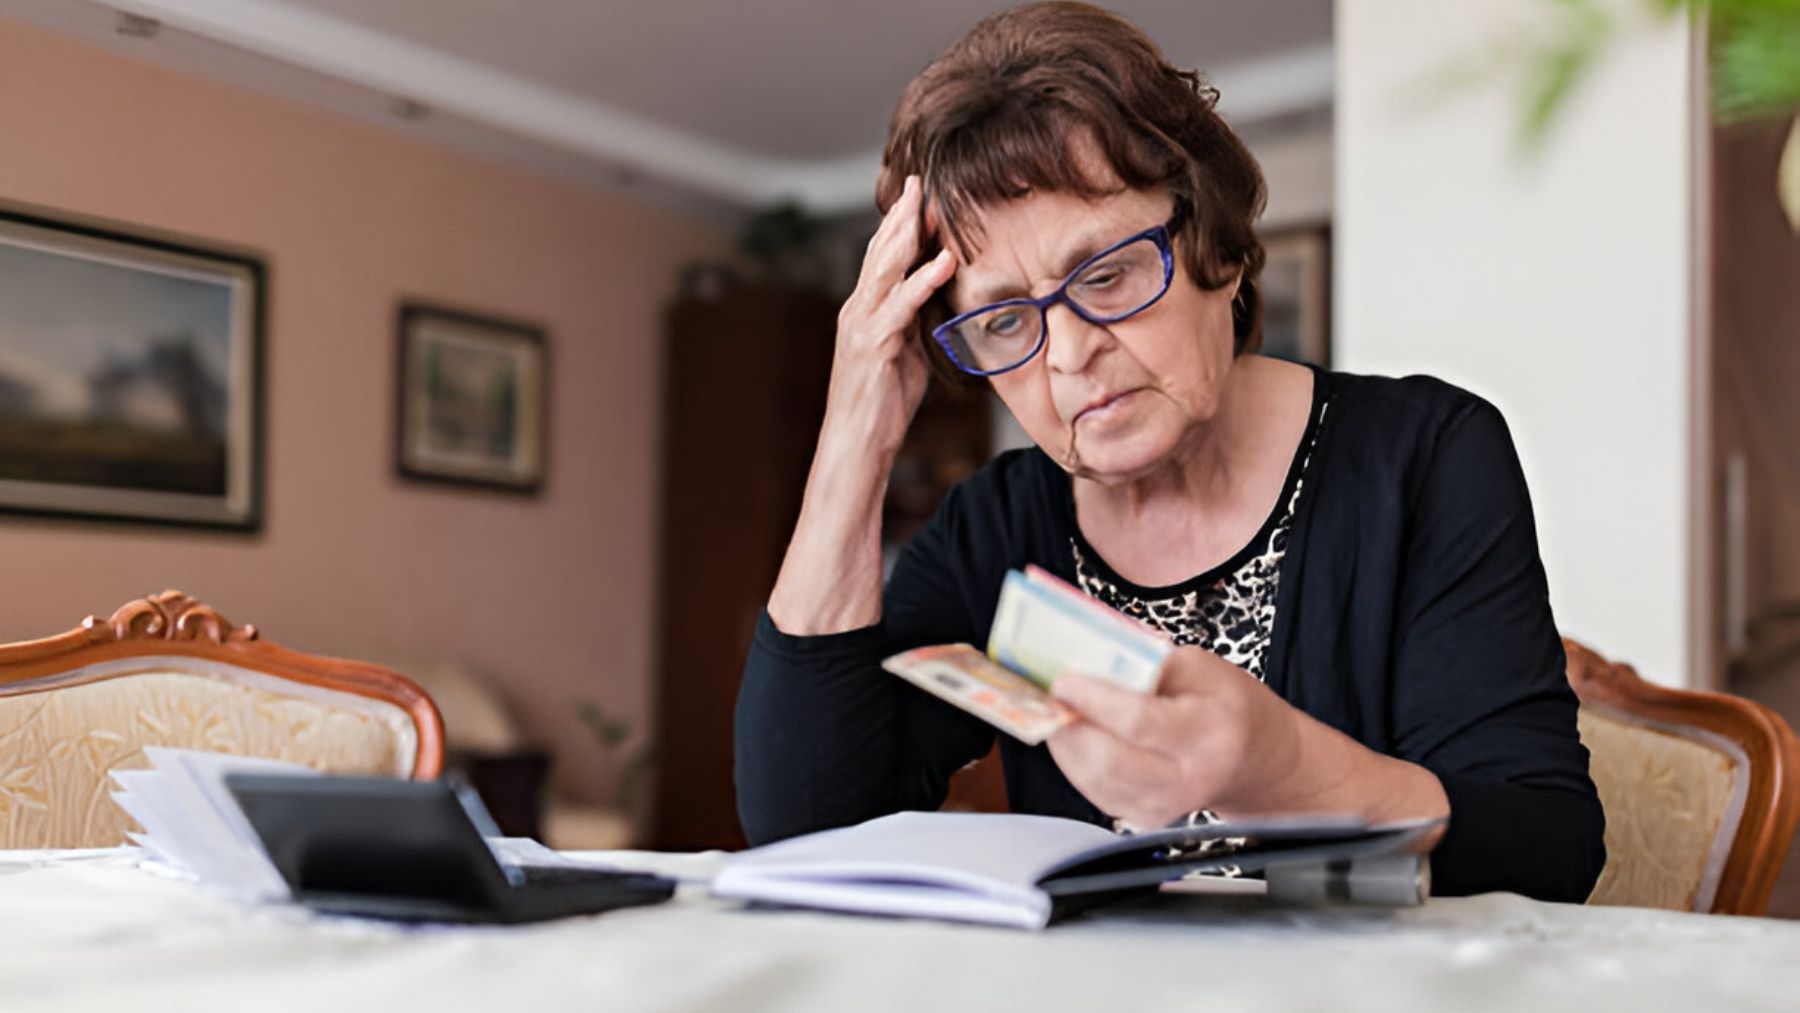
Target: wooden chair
x=1699 y=790
x=169 y=671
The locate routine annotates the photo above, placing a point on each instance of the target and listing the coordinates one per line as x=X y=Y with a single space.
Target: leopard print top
x=1230 y=609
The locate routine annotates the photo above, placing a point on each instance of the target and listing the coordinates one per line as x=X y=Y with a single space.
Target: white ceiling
x=797 y=79
x=732 y=102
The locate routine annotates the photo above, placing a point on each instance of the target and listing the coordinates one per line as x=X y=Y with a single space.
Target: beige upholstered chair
x=169 y=671
x=1699 y=791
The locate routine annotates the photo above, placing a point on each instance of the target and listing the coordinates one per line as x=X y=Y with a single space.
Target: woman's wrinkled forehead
x=1033 y=242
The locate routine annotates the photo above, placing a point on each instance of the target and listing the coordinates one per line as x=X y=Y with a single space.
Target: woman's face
x=1110 y=402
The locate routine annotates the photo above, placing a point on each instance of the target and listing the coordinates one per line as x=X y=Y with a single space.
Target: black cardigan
x=1412 y=614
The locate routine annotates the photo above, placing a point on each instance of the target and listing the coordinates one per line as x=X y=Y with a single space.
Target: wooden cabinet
x=744 y=383
x=947 y=442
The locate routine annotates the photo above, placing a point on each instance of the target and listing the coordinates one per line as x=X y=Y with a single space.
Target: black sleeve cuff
x=847 y=643
x=1542 y=842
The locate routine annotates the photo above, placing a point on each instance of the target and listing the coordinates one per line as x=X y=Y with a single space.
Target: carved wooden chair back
x=169 y=671
x=1699 y=790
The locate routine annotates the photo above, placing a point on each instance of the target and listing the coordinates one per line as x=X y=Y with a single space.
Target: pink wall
x=553 y=594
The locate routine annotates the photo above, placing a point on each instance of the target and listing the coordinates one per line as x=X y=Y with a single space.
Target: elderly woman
x=1347 y=563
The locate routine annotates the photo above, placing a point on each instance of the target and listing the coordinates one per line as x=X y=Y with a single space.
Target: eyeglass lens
x=1107 y=290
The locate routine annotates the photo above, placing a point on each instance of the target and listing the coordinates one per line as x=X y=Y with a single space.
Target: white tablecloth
x=90 y=931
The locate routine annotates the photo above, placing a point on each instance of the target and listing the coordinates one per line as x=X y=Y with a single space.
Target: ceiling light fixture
x=410 y=110
x=136 y=25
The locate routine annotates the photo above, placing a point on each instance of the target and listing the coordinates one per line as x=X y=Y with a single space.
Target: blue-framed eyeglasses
x=1121 y=281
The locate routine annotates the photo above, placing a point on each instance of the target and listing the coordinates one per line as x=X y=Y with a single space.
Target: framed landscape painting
x=1296 y=290
x=130 y=375
x=471 y=399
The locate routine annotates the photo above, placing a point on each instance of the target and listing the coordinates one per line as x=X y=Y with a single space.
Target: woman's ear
x=930 y=219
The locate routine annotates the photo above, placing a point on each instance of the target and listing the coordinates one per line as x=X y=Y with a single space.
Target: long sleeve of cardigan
x=825 y=737
x=1480 y=695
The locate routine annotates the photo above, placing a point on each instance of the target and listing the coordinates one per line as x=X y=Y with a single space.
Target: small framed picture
x=1296 y=291
x=471 y=399
x=130 y=375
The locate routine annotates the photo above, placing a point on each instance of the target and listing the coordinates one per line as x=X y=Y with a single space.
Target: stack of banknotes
x=1042 y=629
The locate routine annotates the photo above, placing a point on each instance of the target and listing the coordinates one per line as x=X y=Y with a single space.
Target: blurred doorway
x=1755 y=420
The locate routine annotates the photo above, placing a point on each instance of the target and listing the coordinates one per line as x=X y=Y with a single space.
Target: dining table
x=104 y=931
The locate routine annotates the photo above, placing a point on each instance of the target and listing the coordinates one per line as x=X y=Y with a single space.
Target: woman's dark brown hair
x=992 y=119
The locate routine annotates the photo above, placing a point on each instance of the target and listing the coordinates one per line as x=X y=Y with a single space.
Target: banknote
x=1044 y=627
x=967 y=678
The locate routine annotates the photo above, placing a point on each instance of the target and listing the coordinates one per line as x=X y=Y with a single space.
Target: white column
x=1559 y=287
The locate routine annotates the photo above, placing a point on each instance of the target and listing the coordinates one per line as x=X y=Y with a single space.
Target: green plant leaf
x=612 y=732
x=1756 y=59
x=1553 y=63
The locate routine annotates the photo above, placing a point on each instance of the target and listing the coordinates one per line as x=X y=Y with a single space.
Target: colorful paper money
x=961 y=675
x=1043 y=627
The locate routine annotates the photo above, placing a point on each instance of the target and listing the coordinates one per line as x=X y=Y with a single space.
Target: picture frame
x=471 y=403
x=131 y=374
x=1296 y=290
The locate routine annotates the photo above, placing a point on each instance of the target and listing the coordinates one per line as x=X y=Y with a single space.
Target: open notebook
x=1023 y=871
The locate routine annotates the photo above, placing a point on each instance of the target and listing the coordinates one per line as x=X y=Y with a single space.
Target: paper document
x=191 y=823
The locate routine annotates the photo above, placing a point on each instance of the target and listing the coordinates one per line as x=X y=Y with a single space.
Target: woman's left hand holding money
x=1213 y=737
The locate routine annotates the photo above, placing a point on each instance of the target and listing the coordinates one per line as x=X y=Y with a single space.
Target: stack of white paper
x=191 y=823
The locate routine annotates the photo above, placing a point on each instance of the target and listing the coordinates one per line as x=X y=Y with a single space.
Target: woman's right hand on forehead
x=879 y=372
x=830 y=579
